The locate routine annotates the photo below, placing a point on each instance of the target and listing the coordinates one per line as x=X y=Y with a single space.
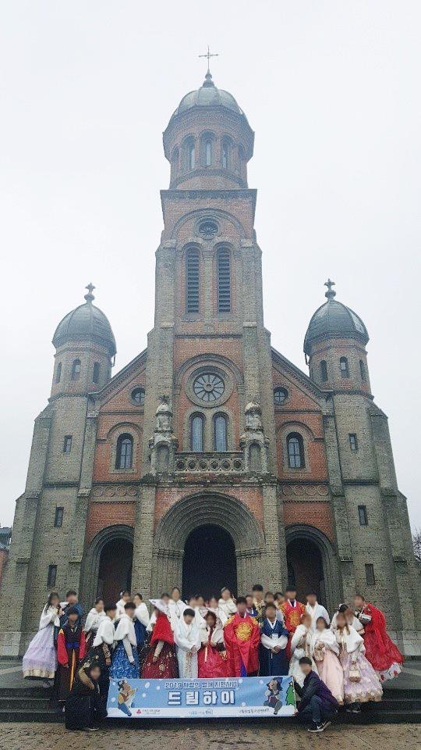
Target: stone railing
x=212 y=463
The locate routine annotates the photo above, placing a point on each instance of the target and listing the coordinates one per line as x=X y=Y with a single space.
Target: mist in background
x=332 y=92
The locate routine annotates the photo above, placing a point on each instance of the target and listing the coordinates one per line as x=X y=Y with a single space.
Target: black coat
x=83 y=706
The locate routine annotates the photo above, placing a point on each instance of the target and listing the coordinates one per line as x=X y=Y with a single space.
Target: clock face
x=208 y=387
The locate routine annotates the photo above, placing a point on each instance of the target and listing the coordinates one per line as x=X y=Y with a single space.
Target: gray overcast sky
x=331 y=89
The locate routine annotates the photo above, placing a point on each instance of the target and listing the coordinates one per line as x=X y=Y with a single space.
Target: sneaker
x=91 y=729
x=326 y=724
x=316 y=728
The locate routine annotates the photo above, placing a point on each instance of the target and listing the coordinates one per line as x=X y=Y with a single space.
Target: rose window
x=208 y=387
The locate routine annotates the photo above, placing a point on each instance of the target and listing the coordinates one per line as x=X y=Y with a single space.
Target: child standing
x=324 y=649
x=125 y=662
x=187 y=638
x=71 y=650
x=40 y=659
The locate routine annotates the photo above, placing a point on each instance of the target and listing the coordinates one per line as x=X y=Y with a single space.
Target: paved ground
x=210 y=737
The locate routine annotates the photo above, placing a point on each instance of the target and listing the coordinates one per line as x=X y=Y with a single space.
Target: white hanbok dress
x=315 y=612
x=187 y=639
x=176 y=611
x=40 y=659
x=300 y=646
x=226 y=609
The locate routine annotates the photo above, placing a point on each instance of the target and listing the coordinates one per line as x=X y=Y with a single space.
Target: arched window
x=76 y=369
x=208 y=152
x=192 y=281
x=295 y=448
x=96 y=372
x=220 y=433
x=362 y=370
x=124 y=457
x=196 y=433
x=225 y=154
x=323 y=370
x=189 y=154
x=58 y=372
x=224 y=280
x=343 y=365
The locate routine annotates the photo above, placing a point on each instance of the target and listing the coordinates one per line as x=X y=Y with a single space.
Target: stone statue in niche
x=253 y=414
x=163 y=416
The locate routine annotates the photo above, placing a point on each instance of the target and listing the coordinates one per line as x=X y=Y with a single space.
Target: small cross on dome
x=89 y=297
x=330 y=294
x=209 y=54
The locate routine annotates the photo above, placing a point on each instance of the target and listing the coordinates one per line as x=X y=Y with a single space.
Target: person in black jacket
x=83 y=706
x=317 y=703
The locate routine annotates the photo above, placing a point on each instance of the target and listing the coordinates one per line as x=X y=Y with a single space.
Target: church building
x=210 y=460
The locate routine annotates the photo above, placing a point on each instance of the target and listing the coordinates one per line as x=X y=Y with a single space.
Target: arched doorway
x=189 y=515
x=107 y=564
x=305 y=569
x=115 y=569
x=313 y=564
x=209 y=561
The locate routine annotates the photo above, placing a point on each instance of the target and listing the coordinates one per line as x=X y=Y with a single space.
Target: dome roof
x=208 y=96
x=334 y=320
x=86 y=322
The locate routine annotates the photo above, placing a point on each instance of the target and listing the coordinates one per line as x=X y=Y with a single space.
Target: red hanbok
x=212 y=656
x=380 y=650
x=292 y=619
x=162 y=649
x=242 y=639
x=292 y=614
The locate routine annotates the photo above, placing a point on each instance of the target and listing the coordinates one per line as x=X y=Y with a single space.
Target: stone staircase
x=35 y=704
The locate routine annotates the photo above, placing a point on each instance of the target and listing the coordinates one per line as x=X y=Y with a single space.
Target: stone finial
x=330 y=294
x=89 y=297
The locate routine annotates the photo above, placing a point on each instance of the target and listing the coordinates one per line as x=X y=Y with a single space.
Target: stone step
x=16 y=703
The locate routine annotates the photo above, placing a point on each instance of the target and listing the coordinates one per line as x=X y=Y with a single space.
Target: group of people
x=335 y=662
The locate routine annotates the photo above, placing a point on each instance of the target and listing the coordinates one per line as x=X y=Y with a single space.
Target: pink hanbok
x=354 y=663
x=40 y=660
x=324 y=649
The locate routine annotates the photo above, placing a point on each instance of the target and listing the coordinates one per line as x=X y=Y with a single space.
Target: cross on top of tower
x=208 y=55
x=89 y=297
x=330 y=294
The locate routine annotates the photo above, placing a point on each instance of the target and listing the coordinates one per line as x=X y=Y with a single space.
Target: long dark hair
x=51 y=596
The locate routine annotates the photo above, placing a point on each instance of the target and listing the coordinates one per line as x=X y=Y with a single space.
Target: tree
x=416 y=541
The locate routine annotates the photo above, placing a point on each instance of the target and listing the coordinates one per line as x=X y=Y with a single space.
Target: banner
x=200 y=698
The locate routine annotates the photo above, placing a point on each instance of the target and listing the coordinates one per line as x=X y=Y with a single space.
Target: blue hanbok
x=121 y=665
x=273 y=635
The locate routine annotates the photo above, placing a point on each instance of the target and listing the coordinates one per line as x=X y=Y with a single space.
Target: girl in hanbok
x=40 y=660
x=212 y=656
x=383 y=655
x=124 y=598
x=125 y=661
x=226 y=605
x=352 y=621
x=141 y=621
x=361 y=682
x=93 y=621
x=324 y=649
x=176 y=607
x=300 y=646
x=161 y=659
x=273 y=643
x=187 y=639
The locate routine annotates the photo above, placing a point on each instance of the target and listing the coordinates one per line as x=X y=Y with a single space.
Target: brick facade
x=285 y=519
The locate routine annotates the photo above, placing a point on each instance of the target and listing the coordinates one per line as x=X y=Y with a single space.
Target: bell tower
x=209 y=353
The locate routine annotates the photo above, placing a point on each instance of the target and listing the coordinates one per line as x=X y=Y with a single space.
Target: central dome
x=208 y=96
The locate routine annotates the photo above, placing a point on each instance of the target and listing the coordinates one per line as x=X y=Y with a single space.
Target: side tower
x=371 y=518
x=49 y=525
